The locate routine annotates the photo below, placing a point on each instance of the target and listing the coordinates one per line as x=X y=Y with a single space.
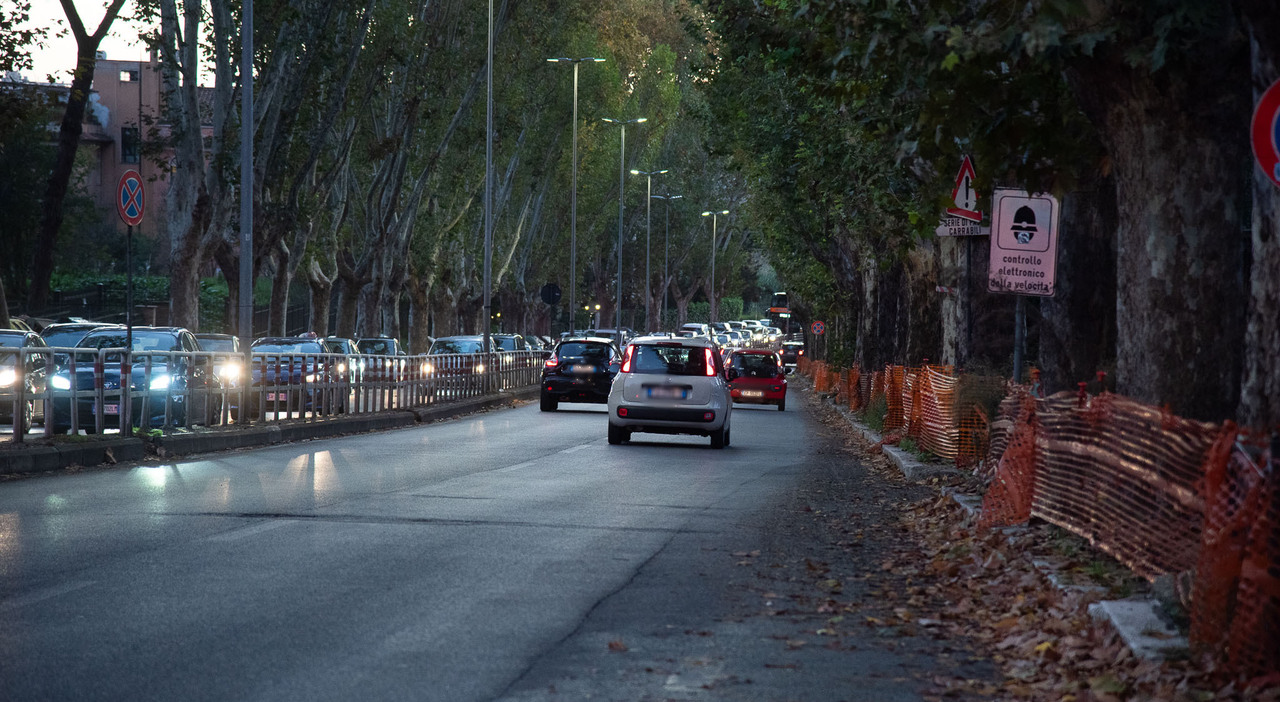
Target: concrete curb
x=42 y=458
x=1139 y=624
x=1137 y=621
x=96 y=451
x=907 y=464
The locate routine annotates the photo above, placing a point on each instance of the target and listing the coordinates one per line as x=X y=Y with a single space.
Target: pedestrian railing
x=106 y=390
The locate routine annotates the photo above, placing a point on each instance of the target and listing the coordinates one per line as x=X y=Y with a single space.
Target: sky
x=59 y=54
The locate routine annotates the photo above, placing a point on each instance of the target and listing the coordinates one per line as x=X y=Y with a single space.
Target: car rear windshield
x=217 y=344
x=756 y=365
x=297 y=347
x=377 y=347
x=669 y=360
x=584 y=349
x=454 y=346
x=142 y=341
x=65 y=339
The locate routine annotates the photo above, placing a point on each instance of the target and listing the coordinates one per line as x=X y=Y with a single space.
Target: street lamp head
x=635 y=172
x=563 y=59
x=625 y=122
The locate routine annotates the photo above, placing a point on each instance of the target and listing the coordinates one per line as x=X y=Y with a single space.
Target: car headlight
x=342 y=368
x=160 y=382
x=60 y=383
x=427 y=368
x=479 y=367
x=8 y=376
x=310 y=378
x=229 y=371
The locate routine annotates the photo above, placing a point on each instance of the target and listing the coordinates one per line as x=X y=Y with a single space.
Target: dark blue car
x=169 y=385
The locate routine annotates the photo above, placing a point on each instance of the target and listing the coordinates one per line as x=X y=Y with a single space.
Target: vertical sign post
x=131 y=202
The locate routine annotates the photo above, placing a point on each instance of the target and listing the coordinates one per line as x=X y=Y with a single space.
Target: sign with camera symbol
x=1024 y=243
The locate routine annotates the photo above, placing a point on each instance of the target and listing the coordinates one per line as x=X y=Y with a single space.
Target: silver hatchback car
x=670 y=386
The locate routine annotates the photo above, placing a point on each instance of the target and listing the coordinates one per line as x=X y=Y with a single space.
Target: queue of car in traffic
x=684 y=382
x=75 y=377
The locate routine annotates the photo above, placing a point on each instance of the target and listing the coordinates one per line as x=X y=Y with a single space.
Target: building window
x=130 y=145
x=128 y=76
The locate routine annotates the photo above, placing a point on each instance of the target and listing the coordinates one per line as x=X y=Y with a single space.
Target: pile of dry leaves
x=953 y=581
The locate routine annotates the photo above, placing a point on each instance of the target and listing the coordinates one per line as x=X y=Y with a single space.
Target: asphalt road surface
x=507 y=555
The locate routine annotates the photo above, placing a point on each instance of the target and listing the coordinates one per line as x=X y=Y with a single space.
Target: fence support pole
x=1019 y=336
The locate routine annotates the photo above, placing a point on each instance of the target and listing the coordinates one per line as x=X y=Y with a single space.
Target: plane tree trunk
x=55 y=193
x=1260 y=387
x=1180 y=309
x=1078 y=324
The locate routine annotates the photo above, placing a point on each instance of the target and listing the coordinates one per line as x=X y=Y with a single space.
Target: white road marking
x=244 y=532
x=579 y=447
x=516 y=467
x=701 y=676
x=41 y=595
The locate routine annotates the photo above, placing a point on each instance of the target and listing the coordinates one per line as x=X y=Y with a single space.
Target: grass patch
x=874 y=413
x=1085 y=565
x=909 y=445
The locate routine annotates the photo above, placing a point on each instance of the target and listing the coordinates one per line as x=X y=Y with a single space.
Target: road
x=506 y=555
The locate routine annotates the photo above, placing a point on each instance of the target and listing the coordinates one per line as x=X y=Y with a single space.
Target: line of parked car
x=71 y=375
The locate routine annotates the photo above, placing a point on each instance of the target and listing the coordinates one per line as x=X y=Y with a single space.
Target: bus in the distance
x=780 y=314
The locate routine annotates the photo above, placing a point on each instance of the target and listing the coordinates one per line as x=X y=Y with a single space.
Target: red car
x=756 y=376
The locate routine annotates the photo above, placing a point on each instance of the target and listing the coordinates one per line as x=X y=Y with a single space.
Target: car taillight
x=800 y=352
x=622 y=411
x=711 y=362
x=709 y=416
x=626 y=359
x=552 y=362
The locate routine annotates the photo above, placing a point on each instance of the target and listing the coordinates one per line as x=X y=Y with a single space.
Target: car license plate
x=281 y=396
x=667 y=392
x=583 y=369
x=753 y=393
x=111 y=408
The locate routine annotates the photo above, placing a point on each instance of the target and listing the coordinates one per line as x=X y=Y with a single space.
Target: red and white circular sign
x=131 y=198
x=1265 y=132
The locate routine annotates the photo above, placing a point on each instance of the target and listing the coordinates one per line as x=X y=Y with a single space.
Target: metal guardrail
x=78 y=390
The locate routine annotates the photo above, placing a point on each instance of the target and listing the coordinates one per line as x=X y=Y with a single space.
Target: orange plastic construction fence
x=1123 y=475
x=1009 y=498
x=1235 y=605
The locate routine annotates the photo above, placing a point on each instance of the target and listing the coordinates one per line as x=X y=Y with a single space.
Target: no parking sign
x=1265 y=132
x=818 y=328
x=131 y=198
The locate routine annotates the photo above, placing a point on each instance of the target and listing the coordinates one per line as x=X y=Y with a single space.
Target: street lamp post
x=711 y=297
x=666 y=252
x=622 y=174
x=488 y=204
x=648 y=287
x=573 y=197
